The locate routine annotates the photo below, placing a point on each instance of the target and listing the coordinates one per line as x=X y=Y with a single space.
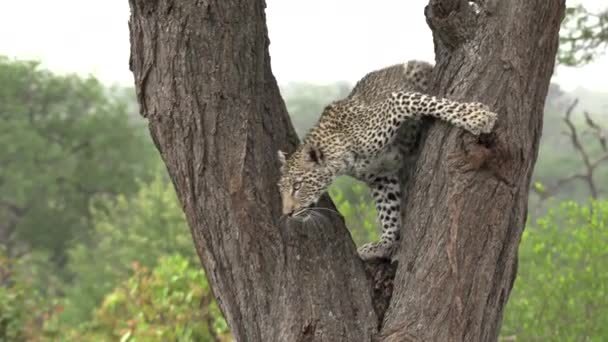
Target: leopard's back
x=378 y=85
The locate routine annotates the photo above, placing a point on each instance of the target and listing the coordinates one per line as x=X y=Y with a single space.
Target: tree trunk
x=203 y=80
x=464 y=219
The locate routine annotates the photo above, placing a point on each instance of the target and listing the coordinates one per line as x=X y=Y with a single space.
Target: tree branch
x=599 y=133
x=587 y=175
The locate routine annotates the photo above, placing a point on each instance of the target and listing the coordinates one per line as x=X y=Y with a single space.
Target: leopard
x=371 y=135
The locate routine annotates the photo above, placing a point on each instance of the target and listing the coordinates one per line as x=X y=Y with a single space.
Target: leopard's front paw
x=478 y=118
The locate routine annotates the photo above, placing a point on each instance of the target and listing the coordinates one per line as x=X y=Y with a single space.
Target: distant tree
x=589 y=157
x=65 y=140
x=584 y=35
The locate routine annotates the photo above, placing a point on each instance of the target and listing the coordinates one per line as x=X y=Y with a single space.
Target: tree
x=203 y=81
x=590 y=163
x=65 y=139
x=584 y=37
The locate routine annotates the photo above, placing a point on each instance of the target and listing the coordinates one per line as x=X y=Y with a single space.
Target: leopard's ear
x=282 y=157
x=314 y=155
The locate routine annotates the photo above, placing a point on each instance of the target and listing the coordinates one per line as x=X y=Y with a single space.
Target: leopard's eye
x=297 y=186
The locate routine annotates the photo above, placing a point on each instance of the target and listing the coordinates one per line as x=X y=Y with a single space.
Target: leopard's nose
x=289 y=206
x=288 y=210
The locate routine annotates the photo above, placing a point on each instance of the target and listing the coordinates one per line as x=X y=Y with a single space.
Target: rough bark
x=468 y=197
x=203 y=80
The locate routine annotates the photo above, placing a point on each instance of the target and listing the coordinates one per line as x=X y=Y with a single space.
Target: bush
x=561 y=289
x=353 y=200
x=171 y=302
x=23 y=311
x=141 y=228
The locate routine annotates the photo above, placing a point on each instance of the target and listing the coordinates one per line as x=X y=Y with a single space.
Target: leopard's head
x=304 y=178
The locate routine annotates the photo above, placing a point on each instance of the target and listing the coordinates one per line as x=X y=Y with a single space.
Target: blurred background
x=93 y=243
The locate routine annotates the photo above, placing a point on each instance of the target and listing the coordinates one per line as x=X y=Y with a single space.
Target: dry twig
x=589 y=164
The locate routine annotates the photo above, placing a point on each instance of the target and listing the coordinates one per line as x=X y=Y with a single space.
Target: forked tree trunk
x=203 y=79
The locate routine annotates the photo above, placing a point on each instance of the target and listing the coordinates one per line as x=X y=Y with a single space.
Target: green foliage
x=139 y=281
x=81 y=206
x=172 y=302
x=22 y=310
x=561 y=291
x=584 y=35
x=65 y=139
x=353 y=200
x=141 y=228
x=13 y=304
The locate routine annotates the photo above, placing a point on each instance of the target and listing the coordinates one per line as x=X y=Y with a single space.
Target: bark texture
x=468 y=197
x=203 y=80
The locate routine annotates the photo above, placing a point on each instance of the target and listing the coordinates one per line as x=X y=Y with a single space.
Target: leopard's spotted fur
x=369 y=135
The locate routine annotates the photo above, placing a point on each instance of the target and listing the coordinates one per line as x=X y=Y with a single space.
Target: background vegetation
x=94 y=245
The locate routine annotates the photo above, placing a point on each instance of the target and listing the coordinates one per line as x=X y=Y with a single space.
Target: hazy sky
x=314 y=40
